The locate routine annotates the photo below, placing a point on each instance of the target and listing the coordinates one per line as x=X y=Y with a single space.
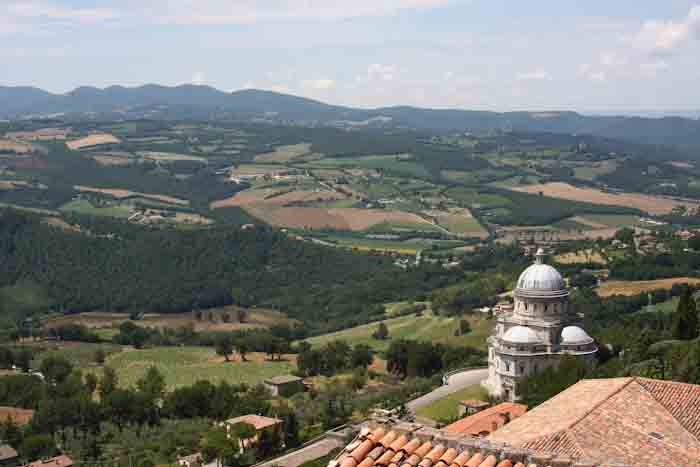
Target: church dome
x=521 y=335
x=574 y=335
x=541 y=278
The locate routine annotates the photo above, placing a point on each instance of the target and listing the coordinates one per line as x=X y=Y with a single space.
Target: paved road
x=308 y=453
x=454 y=384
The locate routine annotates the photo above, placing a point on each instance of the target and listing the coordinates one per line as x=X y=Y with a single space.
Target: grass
x=428 y=327
x=629 y=288
x=613 y=220
x=447 y=408
x=80 y=354
x=389 y=163
x=83 y=206
x=184 y=366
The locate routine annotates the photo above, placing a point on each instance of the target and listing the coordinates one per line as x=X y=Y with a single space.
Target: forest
x=113 y=265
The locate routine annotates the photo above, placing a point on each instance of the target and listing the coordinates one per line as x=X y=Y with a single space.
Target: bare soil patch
x=647 y=203
x=610 y=288
x=270 y=196
x=15 y=147
x=285 y=153
x=98 y=139
x=43 y=134
x=121 y=194
x=582 y=256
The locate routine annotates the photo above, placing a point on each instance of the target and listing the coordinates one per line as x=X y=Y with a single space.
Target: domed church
x=540 y=329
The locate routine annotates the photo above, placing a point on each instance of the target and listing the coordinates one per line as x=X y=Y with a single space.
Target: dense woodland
x=121 y=267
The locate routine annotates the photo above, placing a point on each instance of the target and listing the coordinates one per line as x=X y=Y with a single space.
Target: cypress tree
x=685 y=321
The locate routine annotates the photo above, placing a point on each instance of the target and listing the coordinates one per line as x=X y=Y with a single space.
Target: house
x=636 y=421
x=284 y=386
x=58 y=461
x=18 y=416
x=193 y=460
x=472 y=406
x=486 y=421
x=258 y=422
x=8 y=456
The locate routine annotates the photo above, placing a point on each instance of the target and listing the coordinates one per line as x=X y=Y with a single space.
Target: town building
x=639 y=422
x=539 y=330
x=8 y=456
x=485 y=422
x=284 y=386
x=472 y=406
x=258 y=422
x=193 y=460
x=58 y=461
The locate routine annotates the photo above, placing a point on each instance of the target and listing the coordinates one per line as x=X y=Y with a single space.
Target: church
x=537 y=332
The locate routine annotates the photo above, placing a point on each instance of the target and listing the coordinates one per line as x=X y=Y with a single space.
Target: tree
x=223 y=447
x=55 y=369
x=359 y=378
x=91 y=384
x=10 y=432
x=37 y=446
x=464 y=327
x=685 y=320
x=23 y=359
x=152 y=385
x=689 y=368
x=539 y=387
x=362 y=356
x=109 y=382
x=224 y=346
x=100 y=356
x=382 y=332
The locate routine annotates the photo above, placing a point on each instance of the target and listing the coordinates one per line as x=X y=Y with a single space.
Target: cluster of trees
x=72 y=332
x=20 y=358
x=332 y=358
x=408 y=358
x=124 y=267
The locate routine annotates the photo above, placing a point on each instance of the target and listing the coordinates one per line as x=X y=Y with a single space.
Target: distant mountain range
x=191 y=101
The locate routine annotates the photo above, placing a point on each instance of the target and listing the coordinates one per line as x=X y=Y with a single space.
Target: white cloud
x=319 y=84
x=652 y=69
x=198 y=78
x=37 y=17
x=664 y=37
x=534 y=75
x=380 y=72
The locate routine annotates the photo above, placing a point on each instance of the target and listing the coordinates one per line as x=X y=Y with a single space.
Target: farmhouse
x=258 y=422
x=487 y=421
x=8 y=456
x=58 y=461
x=193 y=460
x=284 y=386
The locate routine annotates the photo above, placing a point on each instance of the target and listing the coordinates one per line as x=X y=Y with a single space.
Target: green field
x=389 y=163
x=184 y=366
x=83 y=206
x=80 y=354
x=446 y=409
x=428 y=327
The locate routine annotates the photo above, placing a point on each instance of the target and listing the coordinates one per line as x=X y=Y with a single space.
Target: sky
x=590 y=55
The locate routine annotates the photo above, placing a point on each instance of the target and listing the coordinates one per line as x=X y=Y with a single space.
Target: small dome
x=541 y=277
x=575 y=335
x=521 y=335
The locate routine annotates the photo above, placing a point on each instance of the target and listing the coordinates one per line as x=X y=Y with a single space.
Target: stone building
x=537 y=332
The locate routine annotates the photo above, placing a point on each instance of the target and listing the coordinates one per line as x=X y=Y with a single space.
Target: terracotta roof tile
x=475 y=460
x=388 y=439
x=449 y=456
x=400 y=442
x=377 y=452
x=461 y=459
x=436 y=453
x=488 y=420
x=505 y=463
x=376 y=435
x=348 y=462
x=385 y=459
x=368 y=462
x=411 y=446
x=490 y=461
x=361 y=451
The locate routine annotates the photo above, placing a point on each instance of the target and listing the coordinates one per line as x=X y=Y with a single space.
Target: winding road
x=456 y=383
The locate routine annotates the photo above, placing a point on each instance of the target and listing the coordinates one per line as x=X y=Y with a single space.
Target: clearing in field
x=113 y=158
x=428 y=327
x=336 y=218
x=43 y=134
x=447 y=408
x=628 y=288
x=276 y=197
x=184 y=366
x=284 y=154
x=98 y=139
x=460 y=221
x=14 y=147
x=169 y=157
x=647 y=203
x=121 y=194
x=582 y=256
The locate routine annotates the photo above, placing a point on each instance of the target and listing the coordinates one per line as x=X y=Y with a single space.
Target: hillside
x=190 y=101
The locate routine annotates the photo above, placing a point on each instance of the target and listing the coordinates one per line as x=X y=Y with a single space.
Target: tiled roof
x=487 y=420
x=411 y=445
x=19 y=416
x=58 y=461
x=7 y=452
x=642 y=422
x=258 y=421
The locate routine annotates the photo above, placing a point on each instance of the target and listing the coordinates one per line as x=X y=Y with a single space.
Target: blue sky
x=501 y=55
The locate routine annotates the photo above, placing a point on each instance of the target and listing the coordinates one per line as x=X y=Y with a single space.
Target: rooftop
x=258 y=421
x=58 y=461
x=412 y=445
x=7 y=452
x=488 y=420
x=637 y=421
x=476 y=403
x=18 y=416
